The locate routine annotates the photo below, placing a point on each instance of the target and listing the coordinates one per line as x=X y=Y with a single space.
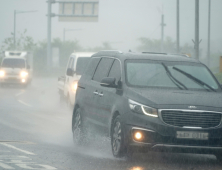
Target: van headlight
x=142 y=109
x=23 y=74
x=74 y=86
x=2 y=73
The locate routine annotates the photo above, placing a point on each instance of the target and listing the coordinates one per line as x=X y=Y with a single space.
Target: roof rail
x=117 y=51
x=153 y=53
x=182 y=55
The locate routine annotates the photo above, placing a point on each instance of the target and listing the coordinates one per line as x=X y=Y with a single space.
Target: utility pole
x=49 y=35
x=14 y=29
x=49 y=15
x=178 y=26
x=197 y=29
x=208 y=47
x=162 y=31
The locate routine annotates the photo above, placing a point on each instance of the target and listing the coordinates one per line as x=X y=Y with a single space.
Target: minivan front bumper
x=159 y=136
x=153 y=141
x=13 y=80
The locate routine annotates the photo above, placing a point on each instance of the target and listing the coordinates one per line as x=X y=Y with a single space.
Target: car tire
x=117 y=138
x=78 y=129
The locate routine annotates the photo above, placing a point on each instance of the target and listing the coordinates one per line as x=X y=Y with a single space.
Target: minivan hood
x=178 y=97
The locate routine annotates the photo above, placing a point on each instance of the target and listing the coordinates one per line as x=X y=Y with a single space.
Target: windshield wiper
x=198 y=81
x=173 y=79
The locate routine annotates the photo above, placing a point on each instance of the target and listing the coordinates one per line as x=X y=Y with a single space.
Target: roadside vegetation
x=39 y=50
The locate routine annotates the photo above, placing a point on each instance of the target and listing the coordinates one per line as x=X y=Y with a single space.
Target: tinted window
x=115 y=71
x=102 y=69
x=92 y=66
x=13 y=63
x=81 y=65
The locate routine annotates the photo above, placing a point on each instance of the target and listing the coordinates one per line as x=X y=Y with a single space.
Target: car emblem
x=192 y=107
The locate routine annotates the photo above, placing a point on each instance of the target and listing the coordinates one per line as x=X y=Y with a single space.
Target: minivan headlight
x=23 y=74
x=142 y=109
x=2 y=73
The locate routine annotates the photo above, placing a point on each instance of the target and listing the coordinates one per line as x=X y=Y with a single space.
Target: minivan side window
x=102 y=69
x=92 y=66
x=115 y=71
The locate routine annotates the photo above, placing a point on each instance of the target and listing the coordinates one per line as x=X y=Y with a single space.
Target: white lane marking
x=5 y=166
x=23 y=163
x=4 y=151
x=13 y=147
x=20 y=93
x=28 y=166
x=13 y=157
x=24 y=103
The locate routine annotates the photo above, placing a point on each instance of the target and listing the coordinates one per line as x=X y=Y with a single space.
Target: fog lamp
x=23 y=80
x=138 y=136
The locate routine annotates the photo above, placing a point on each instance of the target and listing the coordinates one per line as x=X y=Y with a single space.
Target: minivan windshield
x=163 y=74
x=13 y=63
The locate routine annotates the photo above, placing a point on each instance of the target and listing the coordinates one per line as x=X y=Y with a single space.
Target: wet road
x=35 y=133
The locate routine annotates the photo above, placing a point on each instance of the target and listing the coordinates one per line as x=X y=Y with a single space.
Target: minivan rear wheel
x=117 y=140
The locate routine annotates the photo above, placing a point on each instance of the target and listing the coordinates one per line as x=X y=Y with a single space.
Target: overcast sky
x=121 y=22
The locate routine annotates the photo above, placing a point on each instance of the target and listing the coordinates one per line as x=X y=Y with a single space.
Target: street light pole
x=14 y=35
x=197 y=29
x=162 y=31
x=208 y=48
x=178 y=27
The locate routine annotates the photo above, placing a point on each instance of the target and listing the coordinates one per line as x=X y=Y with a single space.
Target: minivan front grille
x=191 y=118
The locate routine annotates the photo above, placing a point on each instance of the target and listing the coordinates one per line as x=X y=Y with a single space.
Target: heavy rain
x=107 y=84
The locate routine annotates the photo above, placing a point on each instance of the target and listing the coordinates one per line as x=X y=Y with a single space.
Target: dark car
x=150 y=102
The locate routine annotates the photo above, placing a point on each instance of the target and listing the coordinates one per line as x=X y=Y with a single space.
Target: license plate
x=192 y=135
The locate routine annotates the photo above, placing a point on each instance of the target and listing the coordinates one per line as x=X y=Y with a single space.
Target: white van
x=67 y=84
x=15 y=68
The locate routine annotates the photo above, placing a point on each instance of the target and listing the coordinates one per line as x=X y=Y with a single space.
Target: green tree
x=23 y=42
x=105 y=46
x=65 y=49
x=169 y=45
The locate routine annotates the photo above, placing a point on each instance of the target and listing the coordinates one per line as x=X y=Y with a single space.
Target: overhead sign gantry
x=71 y=11
x=78 y=11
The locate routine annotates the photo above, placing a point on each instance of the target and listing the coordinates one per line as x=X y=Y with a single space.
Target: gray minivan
x=150 y=102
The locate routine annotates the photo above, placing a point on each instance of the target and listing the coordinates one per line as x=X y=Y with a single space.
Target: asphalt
x=35 y=133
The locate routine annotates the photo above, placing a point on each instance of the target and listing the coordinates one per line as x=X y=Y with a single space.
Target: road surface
x=35 y=133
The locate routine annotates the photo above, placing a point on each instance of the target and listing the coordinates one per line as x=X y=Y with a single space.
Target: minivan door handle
x=95 y=92
x=101 y=94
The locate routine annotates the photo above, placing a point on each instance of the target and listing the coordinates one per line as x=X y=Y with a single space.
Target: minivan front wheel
x=77 y=127
x=117 y=140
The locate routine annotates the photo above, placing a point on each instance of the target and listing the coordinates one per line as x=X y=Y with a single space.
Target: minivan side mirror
x=108 y=82
x=70 y=72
